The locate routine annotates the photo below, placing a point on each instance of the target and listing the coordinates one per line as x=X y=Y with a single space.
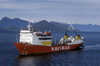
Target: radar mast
x=29 y=26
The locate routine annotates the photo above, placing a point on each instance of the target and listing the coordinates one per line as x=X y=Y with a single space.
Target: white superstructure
x=35 y=38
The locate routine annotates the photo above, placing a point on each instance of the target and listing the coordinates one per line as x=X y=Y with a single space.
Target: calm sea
x=88 y=56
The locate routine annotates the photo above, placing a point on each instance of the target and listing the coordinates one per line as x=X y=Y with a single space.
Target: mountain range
x=7 y=22
x=16 y=24
x=87 y=28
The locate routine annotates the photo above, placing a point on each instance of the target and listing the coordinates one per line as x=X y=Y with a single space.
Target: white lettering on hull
x=60 y=48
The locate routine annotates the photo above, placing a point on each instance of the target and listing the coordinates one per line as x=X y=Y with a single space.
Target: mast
x=29 y=26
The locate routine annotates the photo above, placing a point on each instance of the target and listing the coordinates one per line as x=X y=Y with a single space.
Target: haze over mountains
x=16 y=24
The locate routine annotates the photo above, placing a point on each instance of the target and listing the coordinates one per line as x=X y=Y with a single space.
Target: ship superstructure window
x=26 y=37
x=44 y=35
x=45 y=38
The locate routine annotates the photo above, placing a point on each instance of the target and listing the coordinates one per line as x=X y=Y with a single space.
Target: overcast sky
x=67 y=11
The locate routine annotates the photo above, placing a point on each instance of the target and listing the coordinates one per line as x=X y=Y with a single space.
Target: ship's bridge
x=26 y=31
x=26 y=36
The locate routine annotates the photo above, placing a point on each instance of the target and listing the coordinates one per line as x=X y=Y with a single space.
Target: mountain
x=53 y=26
x=64 y=26
x=89 y=27
x=84 y=27
x=45 y=25
x=8 y=23
x=13 y=28
x=2 y=29
x=59 y=24
x=17 y=24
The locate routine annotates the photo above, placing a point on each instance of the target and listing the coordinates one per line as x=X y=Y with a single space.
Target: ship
x=33 y=42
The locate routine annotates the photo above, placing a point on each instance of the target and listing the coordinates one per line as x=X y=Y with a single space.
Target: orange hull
x=36 y=49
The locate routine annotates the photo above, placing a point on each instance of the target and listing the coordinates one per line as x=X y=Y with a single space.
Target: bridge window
x=45 y=38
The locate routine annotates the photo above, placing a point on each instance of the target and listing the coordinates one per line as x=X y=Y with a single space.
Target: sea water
x=88 y=56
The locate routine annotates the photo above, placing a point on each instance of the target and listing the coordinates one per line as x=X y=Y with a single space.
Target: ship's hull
x=25 y=49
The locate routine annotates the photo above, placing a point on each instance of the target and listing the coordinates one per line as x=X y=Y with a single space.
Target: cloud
x=5 y=0
x=11 y=6
x=94 y=1
x=78 y=11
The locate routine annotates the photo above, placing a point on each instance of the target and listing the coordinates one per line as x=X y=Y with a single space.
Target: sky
x=66 y=11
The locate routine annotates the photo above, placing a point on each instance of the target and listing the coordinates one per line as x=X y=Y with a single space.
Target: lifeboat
x=48 y=33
